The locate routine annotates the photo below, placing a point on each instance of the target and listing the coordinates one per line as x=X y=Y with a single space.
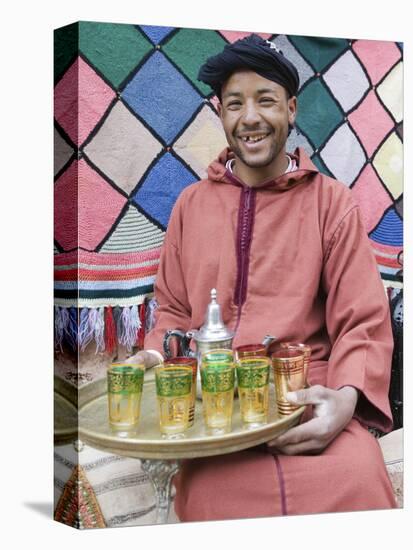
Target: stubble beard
x=257 y=163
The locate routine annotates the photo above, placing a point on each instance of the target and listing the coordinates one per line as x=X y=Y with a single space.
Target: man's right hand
x=146 y=357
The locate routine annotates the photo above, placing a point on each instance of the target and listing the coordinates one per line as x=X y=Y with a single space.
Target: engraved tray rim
x=194 y=445
x=65 y=421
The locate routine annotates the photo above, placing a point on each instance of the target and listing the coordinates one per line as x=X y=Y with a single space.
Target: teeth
x=254 y=139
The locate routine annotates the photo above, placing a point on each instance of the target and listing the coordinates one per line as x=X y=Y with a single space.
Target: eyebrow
x=231 y=94
x=260 y=91
x=267 y=91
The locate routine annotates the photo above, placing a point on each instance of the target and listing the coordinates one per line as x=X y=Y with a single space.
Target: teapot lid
x=213 y=329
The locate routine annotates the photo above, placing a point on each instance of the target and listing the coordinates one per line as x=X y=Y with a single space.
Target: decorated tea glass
x=125 y=383
x=174 y=395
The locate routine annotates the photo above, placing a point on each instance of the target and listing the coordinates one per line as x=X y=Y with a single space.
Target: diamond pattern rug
x=134 y=127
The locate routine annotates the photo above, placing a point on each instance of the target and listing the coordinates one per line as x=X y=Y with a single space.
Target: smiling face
x=256 y=113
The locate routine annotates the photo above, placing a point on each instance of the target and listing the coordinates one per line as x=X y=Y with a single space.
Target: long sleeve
x=358 y=321
x=174 y=310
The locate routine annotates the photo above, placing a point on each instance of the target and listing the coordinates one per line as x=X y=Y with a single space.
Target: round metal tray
x=145 y=440
x=65 y=420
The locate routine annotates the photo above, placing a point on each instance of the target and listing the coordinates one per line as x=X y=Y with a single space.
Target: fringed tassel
x=58 y=333
x=86 y=329
x=104 y=325
x=61 y=322
x=99 y=329
x=93 y=320
x=151 y=307
x=117 y=315
x=130 y=323
x=72 y=329
x=141 y=330
x=110 y=330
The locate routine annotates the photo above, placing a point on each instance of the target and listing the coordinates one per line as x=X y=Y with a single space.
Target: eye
x=233 y=104
x=267 y=100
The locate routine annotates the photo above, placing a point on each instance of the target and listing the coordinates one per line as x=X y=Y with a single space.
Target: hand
x=333 y=410
x=147 y=358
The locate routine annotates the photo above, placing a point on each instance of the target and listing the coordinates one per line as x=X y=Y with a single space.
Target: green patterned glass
x=125 y=383
x=253 y=378
x=174 y=392
x=217 y=382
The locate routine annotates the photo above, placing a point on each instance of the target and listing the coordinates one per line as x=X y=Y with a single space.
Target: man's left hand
x=333 y=410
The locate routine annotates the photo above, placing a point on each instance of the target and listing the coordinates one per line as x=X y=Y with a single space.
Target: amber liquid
x=254 y=404
x=124 y=408
x=217 y=409
x=174 y=414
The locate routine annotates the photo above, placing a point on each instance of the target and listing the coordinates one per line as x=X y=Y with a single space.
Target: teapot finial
x=213 y=329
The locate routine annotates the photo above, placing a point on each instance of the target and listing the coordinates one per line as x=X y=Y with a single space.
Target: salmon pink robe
x=291 y=259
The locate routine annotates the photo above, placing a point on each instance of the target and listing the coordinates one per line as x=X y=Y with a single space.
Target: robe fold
x=289 y=258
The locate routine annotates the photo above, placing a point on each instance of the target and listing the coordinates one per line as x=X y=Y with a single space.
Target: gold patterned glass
x=302 y=347
x=289 y=375
x=217 y=382
x=174 y=393
x=253 y=379
x=125 y=382
x=187 y=362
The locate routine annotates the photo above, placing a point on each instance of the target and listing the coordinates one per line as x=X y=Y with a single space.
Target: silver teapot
x=212 y=335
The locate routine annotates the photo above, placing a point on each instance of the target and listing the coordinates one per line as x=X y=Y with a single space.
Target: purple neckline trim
x=234 y=179
x=246 y=216
x=282 y=486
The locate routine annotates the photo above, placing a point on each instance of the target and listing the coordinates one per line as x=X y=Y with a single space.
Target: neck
x=253 y=176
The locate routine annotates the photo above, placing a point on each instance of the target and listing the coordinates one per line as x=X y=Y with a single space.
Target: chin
x=258 y=162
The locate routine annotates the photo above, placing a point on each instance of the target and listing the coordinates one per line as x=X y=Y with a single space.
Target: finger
x=137 y=358
x=313 y=429
x=142 y=357
x=131 y=359
x=310 y=447
x=310 y=396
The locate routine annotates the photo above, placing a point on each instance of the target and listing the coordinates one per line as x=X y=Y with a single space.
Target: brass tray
x=146 y=441
x=65 y=420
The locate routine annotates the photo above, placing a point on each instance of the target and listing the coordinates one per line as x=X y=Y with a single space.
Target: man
x=287 y=252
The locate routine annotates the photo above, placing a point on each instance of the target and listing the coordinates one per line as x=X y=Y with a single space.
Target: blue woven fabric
x=162 y=97
x=156 y=34
x=390 y=229
x=162 y=187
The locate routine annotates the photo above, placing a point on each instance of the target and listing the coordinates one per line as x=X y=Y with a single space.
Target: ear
x=292 y=110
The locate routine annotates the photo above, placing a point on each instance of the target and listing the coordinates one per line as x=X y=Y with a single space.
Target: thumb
x=141 y=357
x=309 y=396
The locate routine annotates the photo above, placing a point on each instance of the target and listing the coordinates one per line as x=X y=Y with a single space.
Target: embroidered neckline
x=292 y=165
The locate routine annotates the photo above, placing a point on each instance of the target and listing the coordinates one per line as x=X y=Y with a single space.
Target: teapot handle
x=268 y=340
x=183 y=338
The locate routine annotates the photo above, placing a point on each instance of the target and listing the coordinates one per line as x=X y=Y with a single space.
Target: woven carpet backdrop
x=134 y=127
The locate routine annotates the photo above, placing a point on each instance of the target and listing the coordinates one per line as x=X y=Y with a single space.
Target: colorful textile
x=78 y=506
x=134 y=127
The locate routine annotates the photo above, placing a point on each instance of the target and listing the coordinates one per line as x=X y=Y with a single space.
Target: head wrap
x=255 y=53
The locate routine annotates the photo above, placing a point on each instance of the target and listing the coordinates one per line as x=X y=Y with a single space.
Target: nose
x=250 y=115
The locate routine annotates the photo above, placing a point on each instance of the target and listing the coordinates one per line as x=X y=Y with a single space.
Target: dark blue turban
x=256 y=54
